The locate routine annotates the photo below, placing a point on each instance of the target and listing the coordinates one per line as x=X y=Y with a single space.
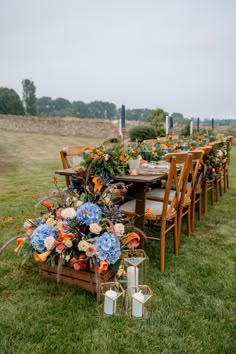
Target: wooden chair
x=226 y=174
x=67 y=155
x=196 y=196
x=207 y=183
x=185 y=187
x=163 y=213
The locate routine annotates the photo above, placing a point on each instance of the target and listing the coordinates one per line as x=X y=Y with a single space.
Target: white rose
x=49 y=242
x=95 y=228
x=67 y=258
x=119 y=229
x=68 y=213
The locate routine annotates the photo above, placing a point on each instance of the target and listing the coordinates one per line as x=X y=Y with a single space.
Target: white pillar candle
x=167 y=124
x=110 y=302
x=138 y=301
x=132 y=276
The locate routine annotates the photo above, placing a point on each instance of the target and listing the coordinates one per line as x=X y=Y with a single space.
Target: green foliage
x=61 y=107
x=157 y=119
x=44 y=106
x=10 y=102
x=29 y=98
x=178 y=118
x=142 y=132
x=186 y=130
x=161 y=132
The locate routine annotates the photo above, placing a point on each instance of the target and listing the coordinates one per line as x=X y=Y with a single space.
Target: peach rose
x=68 y=213
x=95 y=228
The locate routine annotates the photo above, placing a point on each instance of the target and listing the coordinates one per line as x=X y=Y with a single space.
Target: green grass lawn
x=194 y=299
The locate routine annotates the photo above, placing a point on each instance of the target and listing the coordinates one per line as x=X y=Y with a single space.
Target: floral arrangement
x=79 y=228
x=106 y=160
x=215 y=159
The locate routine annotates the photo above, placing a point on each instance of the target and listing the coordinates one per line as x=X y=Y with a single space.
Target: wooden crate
x=85 y=279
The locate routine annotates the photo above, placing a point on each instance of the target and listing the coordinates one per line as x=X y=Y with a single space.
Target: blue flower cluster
x=106 y=248
x=39 y=235
x=89 y=213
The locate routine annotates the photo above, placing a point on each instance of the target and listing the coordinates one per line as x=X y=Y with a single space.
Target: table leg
x=140 y=197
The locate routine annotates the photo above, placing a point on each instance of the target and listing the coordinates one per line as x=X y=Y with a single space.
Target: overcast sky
x=179 y=55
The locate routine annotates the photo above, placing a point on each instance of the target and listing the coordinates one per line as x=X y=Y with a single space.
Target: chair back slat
x=71 y=152
x=175 y=180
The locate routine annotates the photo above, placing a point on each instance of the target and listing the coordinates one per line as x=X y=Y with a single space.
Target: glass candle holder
x=134 y=167
x=133 y=268
x=110 y=299
x=138 y=302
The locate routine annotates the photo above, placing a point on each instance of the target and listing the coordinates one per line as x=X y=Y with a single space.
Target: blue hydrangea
x=39 y=235
x=89 y=213
x=107 y=248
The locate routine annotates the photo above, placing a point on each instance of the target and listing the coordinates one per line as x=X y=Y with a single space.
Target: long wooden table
x=140 y=184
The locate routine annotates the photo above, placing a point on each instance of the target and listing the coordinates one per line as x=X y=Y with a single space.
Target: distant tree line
x=11 y=103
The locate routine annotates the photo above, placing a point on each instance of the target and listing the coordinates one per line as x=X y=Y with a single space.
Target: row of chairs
x=181 y=197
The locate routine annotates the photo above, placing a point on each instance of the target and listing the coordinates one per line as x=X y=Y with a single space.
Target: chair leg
x=189 y=220
x=193 y=210
x=227 y=179
x=225 y=182
x=199 y=207
x=162 y=246
x=205 y=197
x=220 y=186
x=179 y=223
x=176 y=248
x=212 y=192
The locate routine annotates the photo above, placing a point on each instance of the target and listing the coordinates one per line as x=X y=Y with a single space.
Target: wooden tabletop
x=140 y=178
x=67 y=172
x=124 y=178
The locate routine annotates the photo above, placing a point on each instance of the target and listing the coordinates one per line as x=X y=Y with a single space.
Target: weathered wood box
x=89 y=280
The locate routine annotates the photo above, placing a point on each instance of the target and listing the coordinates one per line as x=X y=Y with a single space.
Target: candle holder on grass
x=138 y=302
x=110 y=299
x=135 y=265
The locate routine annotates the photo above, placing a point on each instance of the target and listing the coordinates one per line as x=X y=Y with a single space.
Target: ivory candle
x=138 y=301
x=110 y=302
x=132 y=276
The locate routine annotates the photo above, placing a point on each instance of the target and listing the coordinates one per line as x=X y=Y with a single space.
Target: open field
x=194 y=300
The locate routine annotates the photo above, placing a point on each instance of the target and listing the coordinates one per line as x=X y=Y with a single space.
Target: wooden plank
x=86 y=279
